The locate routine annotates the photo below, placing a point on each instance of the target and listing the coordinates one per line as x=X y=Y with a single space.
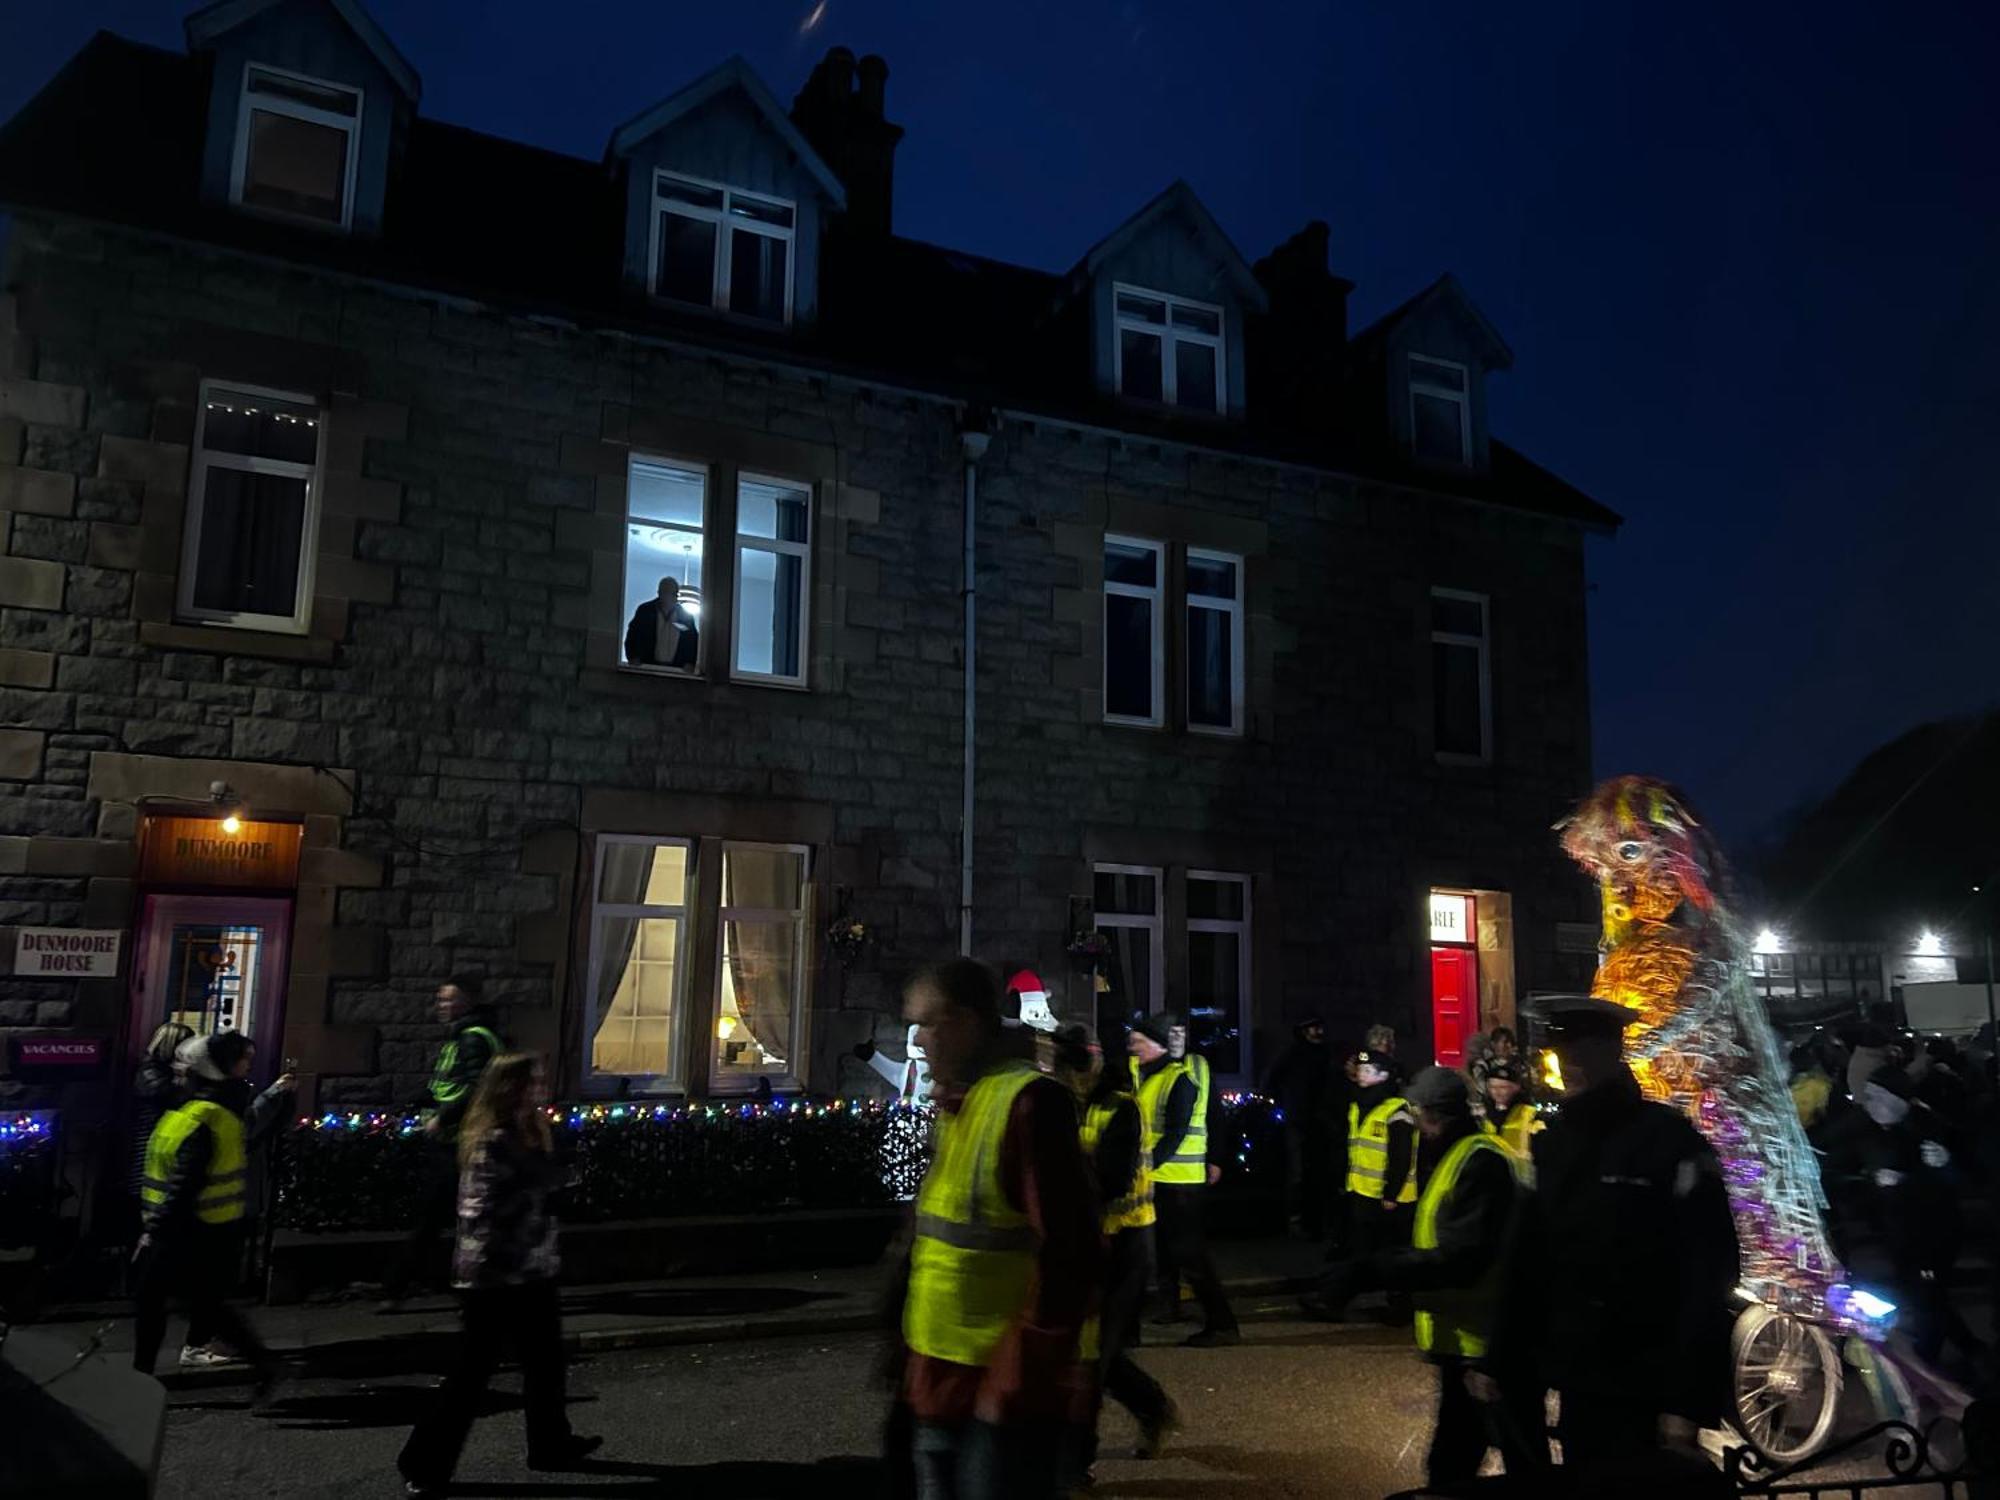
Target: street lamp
x=1929 y=945
x=1768 y=942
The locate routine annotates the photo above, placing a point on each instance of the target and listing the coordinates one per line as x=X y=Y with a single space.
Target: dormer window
x=719 y=248
x=295 y=148
x=1169 y=349
x=1440 y=410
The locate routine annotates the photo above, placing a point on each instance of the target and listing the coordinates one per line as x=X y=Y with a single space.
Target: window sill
x=783 y=684
x=291 y=221
x=1216 y=732
x=228 y=641
x=683 y=674
x=1114 y=722
x=719 y=314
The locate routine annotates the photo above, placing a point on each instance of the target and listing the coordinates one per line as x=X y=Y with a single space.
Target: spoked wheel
x=1786 y=1384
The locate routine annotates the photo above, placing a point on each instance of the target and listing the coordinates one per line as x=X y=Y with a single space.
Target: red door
x=1454 y=1003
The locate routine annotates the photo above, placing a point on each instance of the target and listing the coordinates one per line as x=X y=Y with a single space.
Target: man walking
x=1004 y=1266
x=1452 y=1272
x=1381 y=1164
x=474 y=1042
x=1301 y=1083
x=1619 y=1287
x=1174 y=1099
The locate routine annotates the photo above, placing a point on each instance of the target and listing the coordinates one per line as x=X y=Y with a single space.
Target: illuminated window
x=760 y=995
x=252 y=510
x=1440 y=410
x=773 y=579
x=634 y=999
x=720 y=248
x=666 y=506
x=1167 y=349
x=296 y=140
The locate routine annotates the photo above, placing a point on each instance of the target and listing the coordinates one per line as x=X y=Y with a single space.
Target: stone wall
x=460 y=671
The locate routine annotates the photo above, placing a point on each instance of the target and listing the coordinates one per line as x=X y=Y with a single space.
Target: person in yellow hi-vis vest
x=1119 y=1149
x=474 y=1042
x=1004 y=1265
x=1381 y=1163
x=191 y=1197
x=1508 y=1113
x=1176 y=1099
x=1453 y=1270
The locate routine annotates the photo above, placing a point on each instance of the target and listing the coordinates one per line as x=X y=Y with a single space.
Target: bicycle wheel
x=1786 y=1384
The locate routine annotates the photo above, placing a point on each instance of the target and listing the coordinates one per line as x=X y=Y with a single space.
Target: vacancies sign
x=66 y=952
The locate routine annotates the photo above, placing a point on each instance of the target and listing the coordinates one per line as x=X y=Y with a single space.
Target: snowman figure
x=910 y=1079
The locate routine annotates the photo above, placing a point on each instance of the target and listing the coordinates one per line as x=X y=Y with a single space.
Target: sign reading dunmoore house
x=66 y=952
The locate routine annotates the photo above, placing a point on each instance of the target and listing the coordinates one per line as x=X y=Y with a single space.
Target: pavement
x=346 y=1337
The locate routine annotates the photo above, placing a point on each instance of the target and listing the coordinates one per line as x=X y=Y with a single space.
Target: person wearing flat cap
x=1451 y=1270
x=1618 y=1287
x=1174 y=1099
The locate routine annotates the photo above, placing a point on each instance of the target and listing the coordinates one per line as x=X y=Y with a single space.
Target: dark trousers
x=1467 y=1427
x=199 y=1263
x=436 y=1217
x=1129 y=1271
x=979 y=1461
x=1308 y=1176
x=1183 y=1252
x=530 y=1318
x=1373 y=1229
x=1604 y=1430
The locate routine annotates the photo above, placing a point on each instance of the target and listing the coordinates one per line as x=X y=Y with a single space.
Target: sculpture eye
x=1630 y=851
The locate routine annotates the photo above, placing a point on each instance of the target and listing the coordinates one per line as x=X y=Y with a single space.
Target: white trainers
x=195 y=1357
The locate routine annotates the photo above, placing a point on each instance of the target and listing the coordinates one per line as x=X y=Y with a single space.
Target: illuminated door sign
x=1451 y=918
x=202 y=851
x=66 y=952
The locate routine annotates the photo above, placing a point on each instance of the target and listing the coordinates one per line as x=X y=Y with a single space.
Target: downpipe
x=974 y=435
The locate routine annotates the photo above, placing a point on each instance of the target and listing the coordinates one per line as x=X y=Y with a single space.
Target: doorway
x=1454 y=976
x=213 y=963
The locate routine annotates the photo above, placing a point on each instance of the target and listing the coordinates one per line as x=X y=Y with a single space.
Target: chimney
x=844 y=123
x=1300 y=343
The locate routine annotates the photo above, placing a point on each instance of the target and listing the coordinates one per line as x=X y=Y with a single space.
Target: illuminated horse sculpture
x=1673 y=953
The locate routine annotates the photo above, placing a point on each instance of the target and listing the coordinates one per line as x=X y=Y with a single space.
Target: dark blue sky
x=1745 y=256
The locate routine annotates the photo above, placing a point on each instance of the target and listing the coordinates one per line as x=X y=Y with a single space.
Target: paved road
x=1301 y=1411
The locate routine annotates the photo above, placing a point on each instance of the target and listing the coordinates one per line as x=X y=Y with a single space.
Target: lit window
x=760 y=1011
x=665 y=512
x=253 y=510
x=1214 y=642
x=295 y=147
x=1134 y=654
x=1168 y=349
x=719 y=248
x=1218 y=959
x=1125 y=901
x=1440 y=410
x=1461 y=676
x=773 y=579
x=635 y=997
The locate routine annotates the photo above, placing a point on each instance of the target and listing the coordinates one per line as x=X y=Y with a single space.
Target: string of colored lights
x=30 y=1128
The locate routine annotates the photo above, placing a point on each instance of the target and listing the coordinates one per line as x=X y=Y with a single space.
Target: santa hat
x=1031 y=998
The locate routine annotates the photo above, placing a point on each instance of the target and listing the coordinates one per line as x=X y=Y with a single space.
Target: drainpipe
x=974 y=433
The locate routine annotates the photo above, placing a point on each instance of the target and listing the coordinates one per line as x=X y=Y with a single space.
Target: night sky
x=1746 y=257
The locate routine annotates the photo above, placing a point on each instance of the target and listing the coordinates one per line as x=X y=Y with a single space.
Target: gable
x=209 y=27
x=731 y=94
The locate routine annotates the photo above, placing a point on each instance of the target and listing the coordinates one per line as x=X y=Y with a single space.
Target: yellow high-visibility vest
x=1368 y=1151
x=974 y=1255
x=1516 y=1132
x=1135 y=1209
x=1457 y=1321
x=1188 y=1166
x=220 y=1197
x=445 y=1088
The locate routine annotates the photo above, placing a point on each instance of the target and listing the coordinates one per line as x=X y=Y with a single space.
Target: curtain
x=624 y=871
x=762 y=955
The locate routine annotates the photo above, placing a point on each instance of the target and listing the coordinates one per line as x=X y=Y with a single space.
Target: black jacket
x=1623 y=1269
x=642 y=633
x=1472 y=1223
x=1301 y=1081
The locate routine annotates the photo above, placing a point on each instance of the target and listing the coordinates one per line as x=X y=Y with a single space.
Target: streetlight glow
x=1929 y=945
x=1769 y=942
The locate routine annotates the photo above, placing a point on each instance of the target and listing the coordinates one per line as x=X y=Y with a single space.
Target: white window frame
x=1483 y=644
x=1461 y=397
x=1169 y=333
x=1233 y=609
x=793 y=1080
x=1156 y=953
x=800 y=550
x=1241 y=927
x=293 y=109
x=725 y=226
x=707 y=472
x=201 y=462
x=1157 y=594
x=668 y=1082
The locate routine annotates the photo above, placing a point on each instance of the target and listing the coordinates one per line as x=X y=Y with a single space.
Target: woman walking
x=155 y=1090
x=504 y=1268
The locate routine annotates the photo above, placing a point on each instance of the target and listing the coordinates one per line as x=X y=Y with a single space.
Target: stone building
x=342 y=455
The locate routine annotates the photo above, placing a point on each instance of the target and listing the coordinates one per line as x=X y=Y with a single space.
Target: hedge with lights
x=29 y=1193
x=642 y=1161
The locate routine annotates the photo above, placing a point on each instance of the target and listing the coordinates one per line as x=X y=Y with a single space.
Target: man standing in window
x=1174 y=1098
x=663 y=632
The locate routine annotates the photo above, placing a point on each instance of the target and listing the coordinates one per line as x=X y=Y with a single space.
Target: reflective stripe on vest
x=1368 y=1151
x=219 y=1200
x=1457 y=1321
x=973 y=1258
x=1135 y=1209
x=444 y=1088
x=1188 y=1166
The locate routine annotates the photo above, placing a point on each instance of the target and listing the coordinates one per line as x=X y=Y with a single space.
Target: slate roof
x=116 y=137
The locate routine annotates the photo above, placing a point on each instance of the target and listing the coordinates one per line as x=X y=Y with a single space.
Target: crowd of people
x=1585 y=1249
